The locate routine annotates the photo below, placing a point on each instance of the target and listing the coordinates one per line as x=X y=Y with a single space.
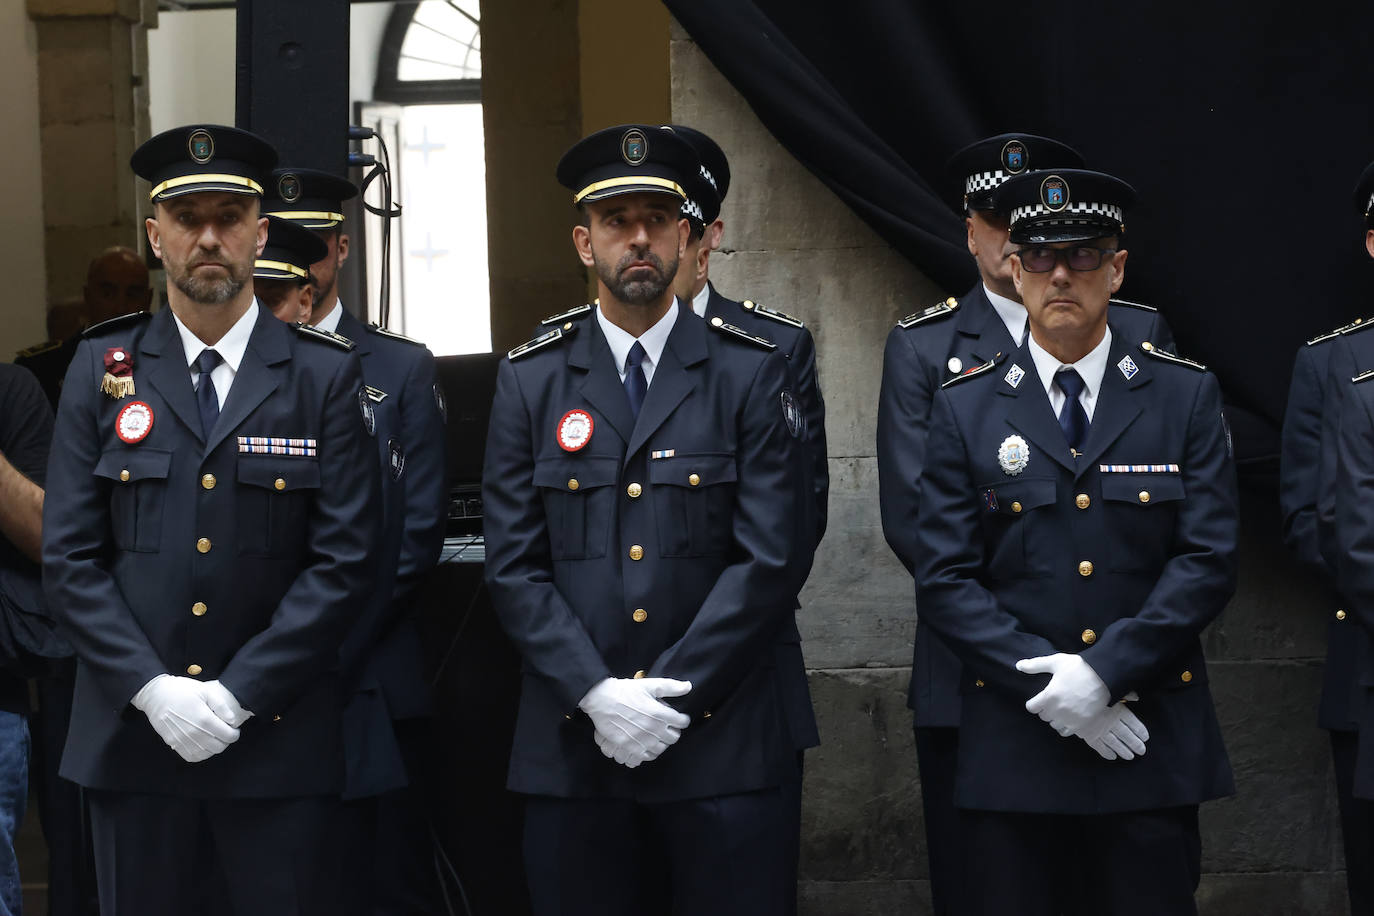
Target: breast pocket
x=274 y=497
x=1141 y=512
x=1019 y=531
x=579 y=497
x=694 y=501
x=139 y=489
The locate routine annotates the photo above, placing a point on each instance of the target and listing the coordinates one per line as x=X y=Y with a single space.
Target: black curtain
x=1243 y=127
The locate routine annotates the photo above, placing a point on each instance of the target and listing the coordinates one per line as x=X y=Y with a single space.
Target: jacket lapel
x=1030 y=413
x=168 y=372
x=257 y=377
x=672 y=382
x=601 y=387
x=1117 y=405
x=356 y=331
x=983 y=330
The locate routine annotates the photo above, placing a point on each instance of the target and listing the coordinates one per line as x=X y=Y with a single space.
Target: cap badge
x=1013 y=455
x=1014 y=156
x=1014 y=375
x=575 y=430
x=134 y=422
x=1054 y=193
x=634 y=147
x=118 y=381
x=201 y=145
x=1128 y=367
x=289 y=188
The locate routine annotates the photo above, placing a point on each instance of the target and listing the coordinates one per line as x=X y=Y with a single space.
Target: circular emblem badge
x=634 y=146
x=201 y=145
x=1013 y=455
x=134 y=422
x=289 y=188
x=398 y=459
x=1014 y=158
x=574 y=430
x=1054 y=193
x=369 y=415
x=792 y=415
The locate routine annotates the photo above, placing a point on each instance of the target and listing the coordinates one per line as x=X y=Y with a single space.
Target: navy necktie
x=206 y=397
x=1073 y=419
x=636 y=384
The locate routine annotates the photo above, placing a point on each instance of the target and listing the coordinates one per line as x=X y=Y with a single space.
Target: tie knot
x=1069 y=382
x=207 y=360
x=635 y=357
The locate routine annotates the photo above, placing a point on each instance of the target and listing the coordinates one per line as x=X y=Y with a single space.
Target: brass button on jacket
x=124 y=475
x=978 y=683
x=573 y=484
x=634 y=490
x=1082 y=501
x=199 y=609
x=203 y=545
x=1144 y=496
x=208 y=481
x=640 y=615
x=1089 y=637
x=1340 y=615
x=639 y=674
x=279 y=483
x=1015 y=507
x=1186 y=677
x=1085 y=568
x=694 y=479
x=193 y=670
x=636 y=552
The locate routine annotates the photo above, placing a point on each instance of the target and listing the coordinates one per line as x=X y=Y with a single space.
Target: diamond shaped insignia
x=1014 y=375
x=1128 y=367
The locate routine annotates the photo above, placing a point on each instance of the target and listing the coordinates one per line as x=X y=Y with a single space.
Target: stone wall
x=789 y=242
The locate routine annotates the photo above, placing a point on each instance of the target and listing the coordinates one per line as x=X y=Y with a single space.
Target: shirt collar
x=230 y=347
x=653 y=340
x=1090 y=368
x=1012 y=313
x=701 y=300
x=330 y=322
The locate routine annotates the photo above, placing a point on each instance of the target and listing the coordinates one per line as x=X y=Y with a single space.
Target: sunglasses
x=1080 y=257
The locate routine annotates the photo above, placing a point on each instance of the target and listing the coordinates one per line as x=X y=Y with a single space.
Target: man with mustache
x=923 y=350
x=642 y=505
x=208 y=539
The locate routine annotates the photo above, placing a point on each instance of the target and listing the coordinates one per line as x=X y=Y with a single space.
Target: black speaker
x=292 y=79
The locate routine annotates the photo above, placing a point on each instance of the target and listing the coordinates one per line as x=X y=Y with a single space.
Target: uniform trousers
x=937 y=758
x=1357 y=825
x=720 y=856
x=1134 y=863
x=166 y=856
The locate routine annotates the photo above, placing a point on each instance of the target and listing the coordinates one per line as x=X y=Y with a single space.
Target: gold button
x=636 y=552
x=1147 y=346
x=639 y=674
x=193 y=670
x=567 y=325
x=748 y=304
x=634 y=490
x=279 y=483
x=640 y=615
x=1082 y=501
x=573 y=484
x=124 y=474
x=276 y=718
x=1085 y=568
x=1340 y=615
x=1089 y=637
x=203 y=545
x=706 y=714
x=1186 y=677
x=717 y=321
x=978 y=683
x=568 y=717
x=1144 y=496
x=694 y=480
x=208 y=481
x=1015 y=506
x=199 y=609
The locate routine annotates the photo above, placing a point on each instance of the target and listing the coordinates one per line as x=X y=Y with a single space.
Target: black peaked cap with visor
x=291 y=249
x=1065 y=205
x=628 y=159
x=310 y=197
x=977 y=170
x=204 y=157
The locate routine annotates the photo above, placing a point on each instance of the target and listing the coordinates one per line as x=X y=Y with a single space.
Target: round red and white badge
x=134 y=422
x=574 y=430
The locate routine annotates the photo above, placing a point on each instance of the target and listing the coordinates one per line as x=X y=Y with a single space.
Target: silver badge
x=792 y=415
x=955 y=364
x=1013 y=455
x=1013 y=378
x=1128 y=367
x=369 y=416
x=398 y=459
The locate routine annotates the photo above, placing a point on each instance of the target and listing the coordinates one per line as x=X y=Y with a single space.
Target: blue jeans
x=14 y=794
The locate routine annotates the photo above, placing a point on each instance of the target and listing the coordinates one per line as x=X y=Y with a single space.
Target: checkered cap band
x=706 y=173
x=1369 y=206
x=1065 y=217
x=984 y=181
x=693 y=209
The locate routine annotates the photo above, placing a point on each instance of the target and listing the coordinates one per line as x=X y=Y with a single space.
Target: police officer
x=1078 y=519
x=922 y=351
x=388 y=718
x=208 y=539
x=281 y=274
x=641 y=513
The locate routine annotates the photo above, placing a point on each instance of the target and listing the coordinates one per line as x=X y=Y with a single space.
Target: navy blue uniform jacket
x=915 y=363
x=689 y=514
x=1117 y=556
x=288 y=558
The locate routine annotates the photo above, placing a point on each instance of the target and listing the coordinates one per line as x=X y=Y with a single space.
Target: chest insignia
x=575 y=430
x=134 y=422
x=118 y=381
x=1128 y=367
x=1013 y=378
x=1013 y=455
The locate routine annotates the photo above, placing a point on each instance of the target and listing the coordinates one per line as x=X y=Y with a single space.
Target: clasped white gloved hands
x=1075 y=703
x=632 y=726
x=197 y=719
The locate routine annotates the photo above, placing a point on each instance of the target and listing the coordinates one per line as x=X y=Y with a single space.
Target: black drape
x=1243 y=127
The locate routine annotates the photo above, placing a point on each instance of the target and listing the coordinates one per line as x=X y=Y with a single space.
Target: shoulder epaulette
x=543 y=340
x=939 y=310
x=117 y=322
x=564 y=316
x=1323 y=338
x=37 y=349
x=974 y=372
x=394 y=336
x=1165 y=356
x=1355 y=325
x=309 y=332
x=720 y=324
x=780 y=317
x=1132 y=305
x=1363 y=376
x=1359 y=324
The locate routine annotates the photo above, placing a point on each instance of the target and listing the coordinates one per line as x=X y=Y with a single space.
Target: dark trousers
x=721 y=856
x=1139 y=863
x=61 y=805
x=165 y=856
x=792 y=798
x=937 y=754
x=1357 y=825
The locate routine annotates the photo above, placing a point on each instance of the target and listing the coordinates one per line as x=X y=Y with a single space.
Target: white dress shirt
x=653 y=340
x=230 y=347
x=330 y=322
x=1090 y=368
x=1012 y=313
x=701 y=300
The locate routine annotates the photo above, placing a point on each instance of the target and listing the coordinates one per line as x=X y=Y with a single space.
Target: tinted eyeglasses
x=1080 y=257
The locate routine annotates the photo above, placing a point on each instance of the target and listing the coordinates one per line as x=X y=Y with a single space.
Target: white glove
x=225 y=705
x=632 y=726
x=1116 y=732
x=176 y=707
x=1074 y=695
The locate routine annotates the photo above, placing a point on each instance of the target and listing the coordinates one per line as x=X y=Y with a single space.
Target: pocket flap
x=1142 y=489
x=699 y=470
x=1013 y=497
x=274 y=472
x=130 y=464
x=560 y=471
